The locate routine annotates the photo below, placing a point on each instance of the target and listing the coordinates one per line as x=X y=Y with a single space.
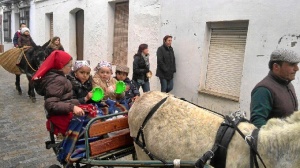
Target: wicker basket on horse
x=9 y=58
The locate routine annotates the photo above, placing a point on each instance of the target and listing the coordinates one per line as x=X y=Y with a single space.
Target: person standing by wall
x=166 y=66
x=274 y=96
x=141 y=68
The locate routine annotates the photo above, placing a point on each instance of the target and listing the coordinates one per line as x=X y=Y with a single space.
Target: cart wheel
x=54 y=166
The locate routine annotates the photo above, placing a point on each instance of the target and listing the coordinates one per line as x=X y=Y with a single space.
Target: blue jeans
x=166 y=85
x=145 y=86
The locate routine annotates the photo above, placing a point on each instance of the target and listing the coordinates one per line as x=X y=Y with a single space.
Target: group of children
x=67 y=91
x=83 y=83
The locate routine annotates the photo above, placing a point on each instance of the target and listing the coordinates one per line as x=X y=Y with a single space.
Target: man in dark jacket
x=166 y=66
x=274 y=96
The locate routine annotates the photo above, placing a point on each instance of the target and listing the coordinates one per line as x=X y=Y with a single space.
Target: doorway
x=79 y=17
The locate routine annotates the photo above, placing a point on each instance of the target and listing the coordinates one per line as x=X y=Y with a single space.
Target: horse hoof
x=20 y=92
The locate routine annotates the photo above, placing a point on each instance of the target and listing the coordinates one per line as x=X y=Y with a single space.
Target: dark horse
x=30 y=62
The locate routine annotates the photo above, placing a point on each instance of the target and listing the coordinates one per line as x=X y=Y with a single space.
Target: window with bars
x=7 y=26
x=225 y=59
x=24 y=16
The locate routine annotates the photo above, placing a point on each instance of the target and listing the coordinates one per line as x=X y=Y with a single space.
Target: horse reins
x=140 y=133
x=24 y=55
x=218 y=153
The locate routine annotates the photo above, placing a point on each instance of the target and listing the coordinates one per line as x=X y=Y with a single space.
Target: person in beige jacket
x=103 y=78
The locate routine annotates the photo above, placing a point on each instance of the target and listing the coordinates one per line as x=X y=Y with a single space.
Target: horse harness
x=28 y=63
x=218 y=153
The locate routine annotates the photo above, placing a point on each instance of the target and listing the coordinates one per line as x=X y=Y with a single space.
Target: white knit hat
x=24 y=29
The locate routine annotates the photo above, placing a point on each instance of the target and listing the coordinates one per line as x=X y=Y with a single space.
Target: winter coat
x=140 y=68
x=25 y=40
x=166 y=66
x=107 y=87
x=57 y=91
x=80 y=90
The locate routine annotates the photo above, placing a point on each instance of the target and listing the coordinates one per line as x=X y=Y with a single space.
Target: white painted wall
x=144 y=27
x=151 y=20
x=268 y=22
x=95 y=25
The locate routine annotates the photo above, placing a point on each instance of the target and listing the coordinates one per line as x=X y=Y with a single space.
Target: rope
x=27 y=60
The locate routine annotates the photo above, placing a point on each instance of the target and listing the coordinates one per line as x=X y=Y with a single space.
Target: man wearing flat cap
x=274 y=96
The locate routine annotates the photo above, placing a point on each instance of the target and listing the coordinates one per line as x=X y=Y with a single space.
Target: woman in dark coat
x=141 y=67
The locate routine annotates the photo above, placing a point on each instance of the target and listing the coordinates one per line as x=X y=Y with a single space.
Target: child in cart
x=65 y=115
x=81 y=80
x=132 y=92
x=112 y=102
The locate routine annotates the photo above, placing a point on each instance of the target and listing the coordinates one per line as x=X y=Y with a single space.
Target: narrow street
x=22 y=127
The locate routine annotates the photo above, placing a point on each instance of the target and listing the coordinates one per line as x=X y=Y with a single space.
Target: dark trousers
x=166 y=85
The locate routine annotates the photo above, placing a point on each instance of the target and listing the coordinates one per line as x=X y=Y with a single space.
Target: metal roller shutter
x=225 y=61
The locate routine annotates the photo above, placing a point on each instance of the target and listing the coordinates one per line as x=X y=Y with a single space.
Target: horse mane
x=280 y=122
x=279 y=138
x=46 y=44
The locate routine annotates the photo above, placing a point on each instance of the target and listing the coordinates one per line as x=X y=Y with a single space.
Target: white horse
x=180 y=130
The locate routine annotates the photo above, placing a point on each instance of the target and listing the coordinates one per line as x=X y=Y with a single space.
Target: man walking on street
x=166 y=66
x=274 y=96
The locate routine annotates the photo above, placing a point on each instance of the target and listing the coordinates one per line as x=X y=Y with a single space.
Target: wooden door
x=120 y=48
x=79 y=33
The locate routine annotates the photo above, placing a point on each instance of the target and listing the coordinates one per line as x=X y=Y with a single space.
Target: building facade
x=222 y=47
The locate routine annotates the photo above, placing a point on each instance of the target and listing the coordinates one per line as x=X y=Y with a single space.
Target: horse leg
x=18 y=87
x=31 y=90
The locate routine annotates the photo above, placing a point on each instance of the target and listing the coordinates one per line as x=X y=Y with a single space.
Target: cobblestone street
x=22 y=127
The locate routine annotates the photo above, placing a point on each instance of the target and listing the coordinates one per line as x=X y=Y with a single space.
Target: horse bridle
x=28 y=63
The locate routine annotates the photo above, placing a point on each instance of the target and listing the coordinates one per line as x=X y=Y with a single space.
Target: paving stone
x=22 y=127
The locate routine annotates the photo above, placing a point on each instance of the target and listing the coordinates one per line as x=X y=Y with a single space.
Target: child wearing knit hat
x=25 y=38
x=81 y=80
x=132 y=91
